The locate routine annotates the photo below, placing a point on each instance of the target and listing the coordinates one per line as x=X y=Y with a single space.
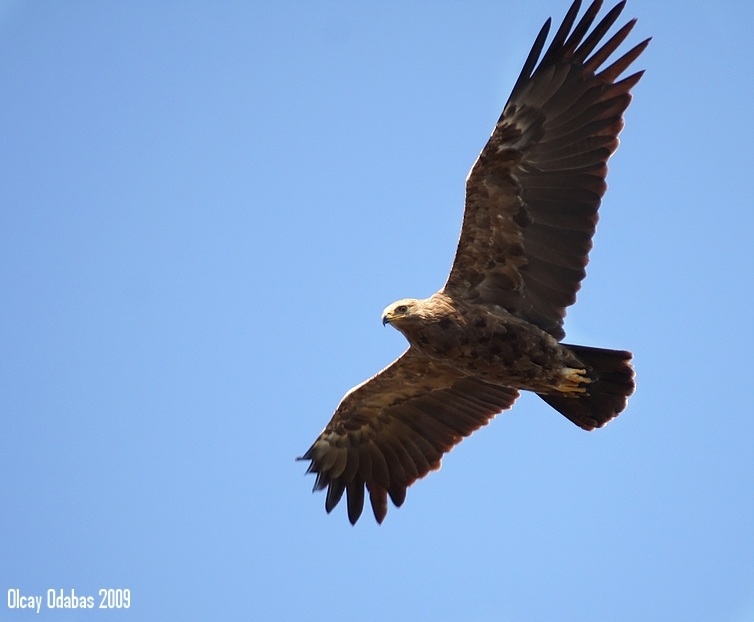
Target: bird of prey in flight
x=496 y=326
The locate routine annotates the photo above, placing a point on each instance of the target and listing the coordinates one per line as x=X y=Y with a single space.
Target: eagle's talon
x=574 y=380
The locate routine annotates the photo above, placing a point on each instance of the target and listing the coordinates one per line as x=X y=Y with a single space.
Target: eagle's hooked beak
x=395 y=313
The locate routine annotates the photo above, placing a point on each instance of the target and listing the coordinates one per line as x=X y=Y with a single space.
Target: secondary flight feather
x=496 y=327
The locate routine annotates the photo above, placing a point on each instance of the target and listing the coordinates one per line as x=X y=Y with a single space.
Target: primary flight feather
x=496 y=326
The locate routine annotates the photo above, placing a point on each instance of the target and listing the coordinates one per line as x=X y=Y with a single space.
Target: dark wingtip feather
x=627 y=83
x=556 y=44
x=611 y=73
x=601 y=55
x=582 y=27
x=322 y=481
x=397 y=495
x=600 y=30
x=334 y=494
x=378 y=499
x=355 y=500
x=533 y=57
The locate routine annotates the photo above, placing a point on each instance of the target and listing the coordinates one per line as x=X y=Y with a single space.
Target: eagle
x=496 y=326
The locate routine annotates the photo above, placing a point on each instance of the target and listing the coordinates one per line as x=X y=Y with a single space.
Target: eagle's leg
x=574 y=381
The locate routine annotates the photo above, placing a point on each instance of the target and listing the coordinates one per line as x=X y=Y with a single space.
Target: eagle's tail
x=613 y=383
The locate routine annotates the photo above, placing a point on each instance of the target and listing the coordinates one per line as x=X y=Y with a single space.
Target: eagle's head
x=402 y=312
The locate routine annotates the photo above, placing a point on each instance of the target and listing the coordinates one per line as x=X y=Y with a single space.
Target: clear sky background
x=205 y=207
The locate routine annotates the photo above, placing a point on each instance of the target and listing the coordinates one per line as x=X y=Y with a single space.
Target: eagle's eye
x=401 y=309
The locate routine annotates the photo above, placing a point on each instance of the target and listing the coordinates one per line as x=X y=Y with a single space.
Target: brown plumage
x=531 y=210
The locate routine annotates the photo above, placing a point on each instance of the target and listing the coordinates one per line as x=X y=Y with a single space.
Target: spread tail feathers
x=608 y=393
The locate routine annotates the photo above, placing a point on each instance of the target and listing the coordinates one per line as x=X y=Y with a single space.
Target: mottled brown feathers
x=532 y=201
x=394 y=429
x=559 y=128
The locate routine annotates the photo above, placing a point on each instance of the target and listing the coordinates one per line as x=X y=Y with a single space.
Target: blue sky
x=205 y=208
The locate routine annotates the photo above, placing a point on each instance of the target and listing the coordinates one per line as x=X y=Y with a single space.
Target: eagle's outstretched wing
x=533 y=194
x=394 y=428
